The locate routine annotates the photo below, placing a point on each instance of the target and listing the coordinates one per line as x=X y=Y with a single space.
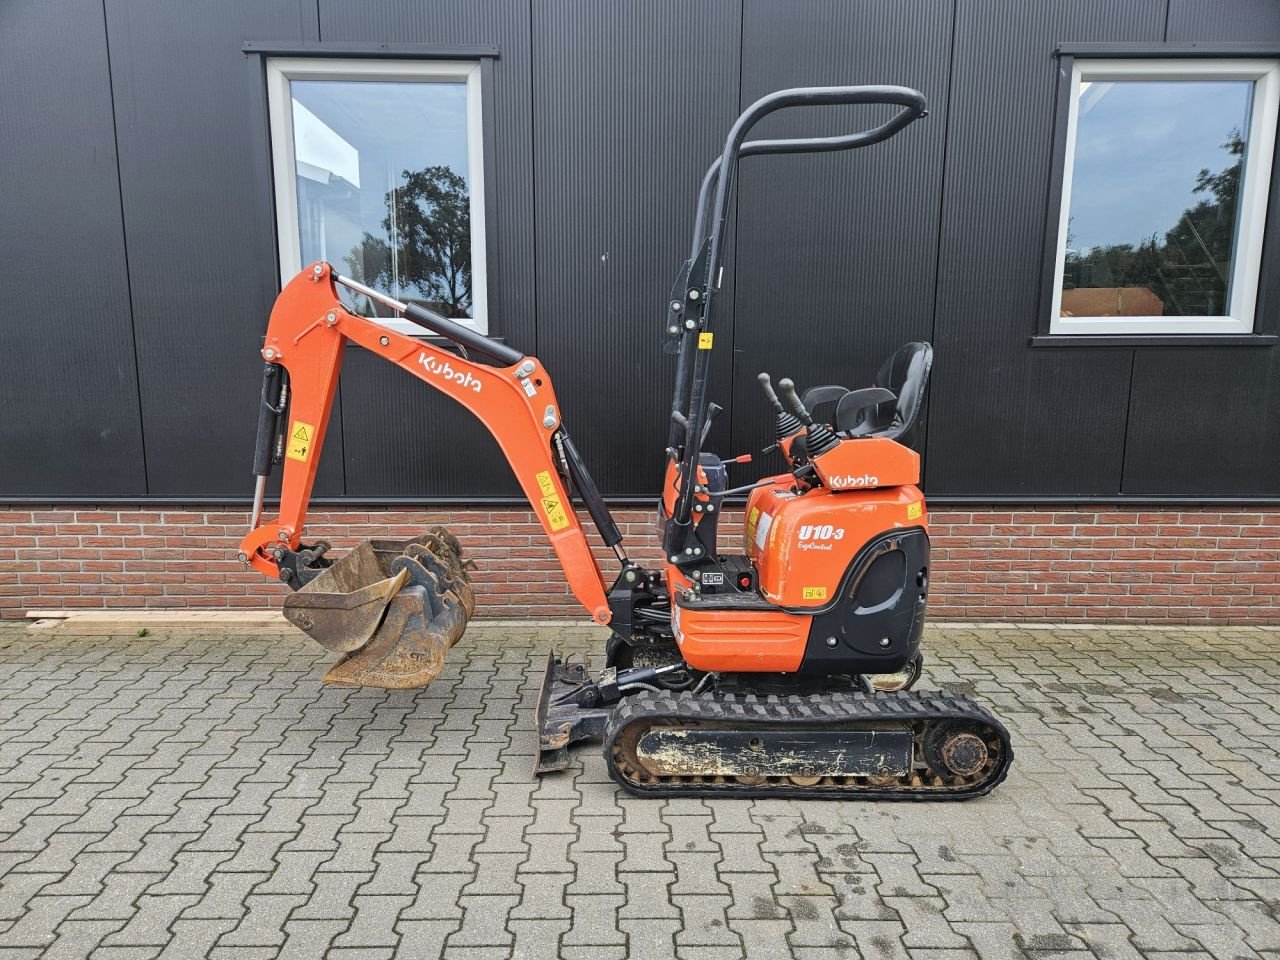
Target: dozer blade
x=393 y=608
x=560 y=719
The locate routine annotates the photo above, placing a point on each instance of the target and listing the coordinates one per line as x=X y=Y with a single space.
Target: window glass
x=1153 y=221
x=382 y=186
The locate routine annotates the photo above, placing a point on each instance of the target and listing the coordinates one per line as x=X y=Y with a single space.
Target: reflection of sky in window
x=353 y=140
x=401 y=126
x=1139 y=147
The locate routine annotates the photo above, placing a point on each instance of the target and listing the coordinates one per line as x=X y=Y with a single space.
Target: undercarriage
x=667 y=731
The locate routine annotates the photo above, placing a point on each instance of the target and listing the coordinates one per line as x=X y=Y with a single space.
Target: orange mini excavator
x=783 y=667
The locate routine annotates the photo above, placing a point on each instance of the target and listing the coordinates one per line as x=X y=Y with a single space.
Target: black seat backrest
x=906 y=374
x=892 y=407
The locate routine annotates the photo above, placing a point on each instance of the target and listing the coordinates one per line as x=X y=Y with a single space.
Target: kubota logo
x=446 y=371
x=849 y=480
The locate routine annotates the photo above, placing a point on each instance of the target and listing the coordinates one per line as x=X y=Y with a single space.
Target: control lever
x=713 y=410
x=819 y=437
x=787 y=425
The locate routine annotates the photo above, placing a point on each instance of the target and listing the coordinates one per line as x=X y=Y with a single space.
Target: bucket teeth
x=392 y=608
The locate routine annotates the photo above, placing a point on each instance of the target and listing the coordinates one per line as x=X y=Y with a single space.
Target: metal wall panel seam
x=124 y=238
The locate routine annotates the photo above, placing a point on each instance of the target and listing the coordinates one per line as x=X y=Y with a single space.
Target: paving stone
x=771 y=938
x=537 y=938
x=263 y=922
x=425 y=938
x=39 y=924
x=698 y=873
x=650 y=939
x=595 y=921
x=924 y=923
x=196 y=938
x=596 y=873
x=484 y=922
x=572 y=952
x=797 y=875
x=78 y=938
x=438 y=897
x=543 y=896
x=709 y=953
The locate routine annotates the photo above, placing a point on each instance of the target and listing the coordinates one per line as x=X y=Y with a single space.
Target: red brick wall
x=1048 y=564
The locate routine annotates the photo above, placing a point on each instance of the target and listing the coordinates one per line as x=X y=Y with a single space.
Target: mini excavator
x=782 y=668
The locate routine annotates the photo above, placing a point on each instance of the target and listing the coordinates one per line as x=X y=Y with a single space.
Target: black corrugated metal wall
x=140 y=263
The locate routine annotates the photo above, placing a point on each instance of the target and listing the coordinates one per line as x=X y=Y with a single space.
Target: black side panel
x=1005 y=419
x=836 y=253
x=191 y=183
x=1205 y=422
x=876 y=623
x=632 y=101
x=1237 y=20
x=68 y=385
x=402 y=437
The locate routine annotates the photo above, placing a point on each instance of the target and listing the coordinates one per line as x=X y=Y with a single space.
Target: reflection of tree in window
x=1185 y=273
x=427 y=247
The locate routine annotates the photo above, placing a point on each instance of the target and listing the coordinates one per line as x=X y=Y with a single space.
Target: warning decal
x=705 y=340
x=915 y=510
x=301 y=436
x=815 y=593
x=551 y=504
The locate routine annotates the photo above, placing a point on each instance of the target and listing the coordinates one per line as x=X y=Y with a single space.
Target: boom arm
x=307 y=335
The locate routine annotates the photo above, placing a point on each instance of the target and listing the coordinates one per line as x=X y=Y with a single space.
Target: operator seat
x=890 y=409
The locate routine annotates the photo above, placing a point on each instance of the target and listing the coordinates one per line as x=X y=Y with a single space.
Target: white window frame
x=282 y=70
x=1254 y=187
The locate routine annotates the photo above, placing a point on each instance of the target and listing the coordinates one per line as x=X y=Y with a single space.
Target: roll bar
x=849 y=141
x=689 y=407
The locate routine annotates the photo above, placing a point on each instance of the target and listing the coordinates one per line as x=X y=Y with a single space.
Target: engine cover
x=802 y=544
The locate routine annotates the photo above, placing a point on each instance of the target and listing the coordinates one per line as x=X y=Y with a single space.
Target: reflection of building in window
x=1111 y=302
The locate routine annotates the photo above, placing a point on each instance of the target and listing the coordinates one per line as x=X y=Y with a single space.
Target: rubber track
x=827 y=709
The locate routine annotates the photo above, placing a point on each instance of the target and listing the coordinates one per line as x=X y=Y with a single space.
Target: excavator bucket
x=392 y=608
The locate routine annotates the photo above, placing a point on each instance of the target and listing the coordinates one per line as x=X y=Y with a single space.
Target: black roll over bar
x=689 y=410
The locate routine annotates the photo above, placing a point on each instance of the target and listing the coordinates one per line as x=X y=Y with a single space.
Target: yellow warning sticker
x=705 y=340
x=551 y=505
x=915 y=510
x=301 y=436
x=815 y=593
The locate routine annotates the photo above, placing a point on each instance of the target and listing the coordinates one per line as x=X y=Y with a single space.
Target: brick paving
x=198 y=794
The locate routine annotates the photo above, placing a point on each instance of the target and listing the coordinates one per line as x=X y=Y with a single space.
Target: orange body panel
x=737 y=641
x=867 y=462
x=309 y=329
x=671 y=489
x=802 y=544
